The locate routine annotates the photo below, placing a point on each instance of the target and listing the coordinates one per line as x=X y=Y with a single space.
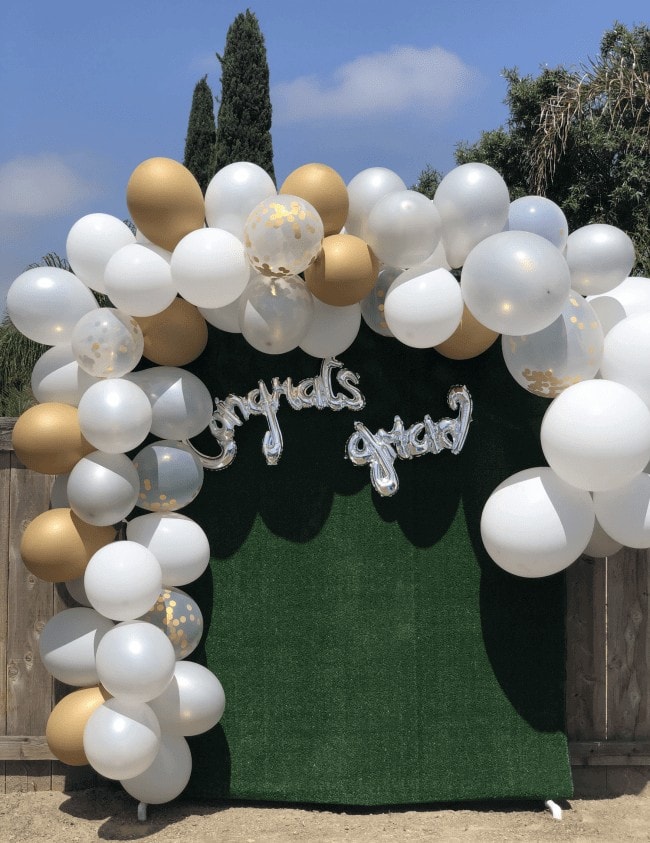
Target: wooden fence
x=608 y=654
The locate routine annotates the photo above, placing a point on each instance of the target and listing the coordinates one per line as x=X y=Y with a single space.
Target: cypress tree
x=244 y=118
x=201 y=135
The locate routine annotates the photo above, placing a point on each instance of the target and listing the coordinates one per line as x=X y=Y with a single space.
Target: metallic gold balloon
x=179 y=617
x=47 y=438
x=470 y=339
x=65 y=726
x=165 y=201
x=176 y=336
x=323 y=188
x=57 y=545
x=344 y=272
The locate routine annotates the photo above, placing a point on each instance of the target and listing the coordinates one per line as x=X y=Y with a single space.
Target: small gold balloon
x=176 y=336
x=65 y=726
x=47 y=438
x=344 y=272
x=165 y=201
x=323 y=188
x=57 y=545
x=470 y=339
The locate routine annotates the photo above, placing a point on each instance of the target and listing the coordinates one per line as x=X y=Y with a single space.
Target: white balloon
x=225 y=318
x=423 y=307
x=181 y=404
x=77 y=591
x=626 y=354
x=114 y=415
x=167 y=775
x=57 y=376
x=596 y=435
x=601 y=544
x=179 y=544
x=144 y=241
x=232 y=194
x=135 y=661
x=121 y=739
x=68 y=644
x=103 y=488
x=138 y=281
x=515 y=282
x=600 y=257
x=275 y=313
x=403 y=228
x=332 y=329
x=632 y=297
x=372 y=307
x=91 y=242
x=473 y=203
x=107 y=343
x=624 y=512
x=364 y=191
x=534 y=524
x=192 y=703
x=539 y=215
x=123 y=580
x=45 y=304
x=209 y=267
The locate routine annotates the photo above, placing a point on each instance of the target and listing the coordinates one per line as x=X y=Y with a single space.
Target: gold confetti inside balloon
x=179 y=617
x=65 y=726
x=345 y=271
x=470 y=339
x=47 y=438
x=323 y=188
x=175 y=336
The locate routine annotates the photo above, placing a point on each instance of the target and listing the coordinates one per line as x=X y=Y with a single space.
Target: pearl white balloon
x=57 y=376
x=332 y=329
x=45 y=304
x=539 y=215
x=403 y=228
x=232 y=194
x=167 y=775
x=624 y=512
x=68 y=644
x=192 y=703
x=534 y=524
x=123 y=580
x=626 y=354
x=138 y=281
x=135 y=661
x=107 y=343
x=372 y=307
x=209 y=267
x=121 y=739
x=225 y=318
x=103 y=488
x=515 y=282
x=115 y=415
x=596 y=435
x=179 y=544
x=91 y=242
x=180 y=402
x=473 y=203
x=170 y=476
x=364 y=191
x=275 y=313
x=423 y=307
x=600 y=257
x=77 y=591
x=629 y=298
x=601 y=544
x=144 y=241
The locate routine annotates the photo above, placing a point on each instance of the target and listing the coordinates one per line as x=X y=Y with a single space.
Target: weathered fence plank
x=5 y=482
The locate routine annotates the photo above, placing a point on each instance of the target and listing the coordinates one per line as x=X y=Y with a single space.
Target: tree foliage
x=201 y=135
x=244 y=117
x=428 y=181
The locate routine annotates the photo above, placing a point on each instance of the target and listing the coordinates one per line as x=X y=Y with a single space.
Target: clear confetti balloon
x=107 y=343
x=170 y=474
x=275 y=313
x=372 y=307
x=179 y=617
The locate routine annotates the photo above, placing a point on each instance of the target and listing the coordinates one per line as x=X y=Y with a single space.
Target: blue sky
x=88 y=91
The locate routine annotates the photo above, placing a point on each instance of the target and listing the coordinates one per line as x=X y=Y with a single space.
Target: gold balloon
x=176 y=336
x=323 y=188
x=165 y=201
x=57 y=545
x=47 y=438
x=344 y=272
x=470 y=339
x=65 y=726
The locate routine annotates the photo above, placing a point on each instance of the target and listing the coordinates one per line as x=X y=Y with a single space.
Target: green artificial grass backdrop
x=370 y=651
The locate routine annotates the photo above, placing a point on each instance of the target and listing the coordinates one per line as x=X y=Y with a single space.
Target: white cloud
x=402 y=79
x=42 y=185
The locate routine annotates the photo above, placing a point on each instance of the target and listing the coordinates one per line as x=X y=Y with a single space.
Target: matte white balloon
x=107 y=343
x=103 y=488
x=123 y=580
x=57 y=376
x=69 y=642
x=180 y=402
x=115 y=415
x=192 y=703
x=167 y=775
x=332 y=329
x=539 y=215
x=45 y=304
x=364 y=191
x=624 y=512
x=170 y=476
x=225 y=318
x=534 y=524
x=403 y=228
x=91 y=242
x=121 y=739
x=423 y=307
x=515 y=282
x=626 y=354
x=138 y=281
x=209 y=267
x=275 y=313
x=601 y=544
x=144 y=241
x=600 y=257
x=179 y=544
x=596 y=435
x=232 y=194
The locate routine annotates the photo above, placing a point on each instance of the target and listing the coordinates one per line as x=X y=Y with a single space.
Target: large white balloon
x=600 y=257
x=209 y=267
x=403 y=228
x=135 y=661
x=332 y=329
x=103 y=488
x=139 y=281
x=91 y=242
x=123 y=580
x=45 y=304
x=57 y=376
x=179 y=544
x=115 y=415
x=225 y=318
x=107 y=343
x=121 y=739
x=167 y=775
x=423 y=307
x=627 y=353
x=539 y=215
x=624 y=512
x=534 y=524
x=181 y=404
x=192 y=703
x=233 y=193
x=601 y=544
x=596 y=435
x=629 y=298
x=515 y=282
x=364 y=191
x=275 y=313
x=68 y=644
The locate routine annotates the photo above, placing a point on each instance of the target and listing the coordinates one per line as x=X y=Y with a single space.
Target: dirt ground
x=110 y=814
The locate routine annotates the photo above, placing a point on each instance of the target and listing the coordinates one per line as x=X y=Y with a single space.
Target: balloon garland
x=298 y=267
